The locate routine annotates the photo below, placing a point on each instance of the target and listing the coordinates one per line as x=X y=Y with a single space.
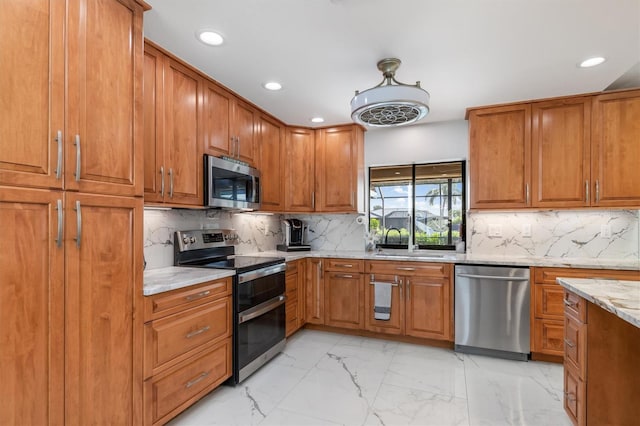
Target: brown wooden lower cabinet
x=601 y=369
x=187 y=347
x=547 y=313
x=294 y=308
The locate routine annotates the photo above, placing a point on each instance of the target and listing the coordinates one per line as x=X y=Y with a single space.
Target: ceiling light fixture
x=388 y=105
x=317 y=120
x=210 y=38
x=591 y=62
x=272 y=85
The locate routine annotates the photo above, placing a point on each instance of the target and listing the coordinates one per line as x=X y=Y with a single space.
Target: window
x=421 y=204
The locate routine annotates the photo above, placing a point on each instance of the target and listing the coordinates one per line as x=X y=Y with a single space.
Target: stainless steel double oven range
x=258 y=294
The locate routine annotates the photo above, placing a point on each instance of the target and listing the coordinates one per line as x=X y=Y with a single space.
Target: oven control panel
x=205 y=238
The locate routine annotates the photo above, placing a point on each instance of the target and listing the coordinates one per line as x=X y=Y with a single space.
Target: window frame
x=412 y=214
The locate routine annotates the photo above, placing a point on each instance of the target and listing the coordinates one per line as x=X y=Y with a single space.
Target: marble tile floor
x=333 y=379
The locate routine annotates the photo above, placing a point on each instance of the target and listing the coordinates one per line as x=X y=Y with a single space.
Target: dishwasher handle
x=492 y=277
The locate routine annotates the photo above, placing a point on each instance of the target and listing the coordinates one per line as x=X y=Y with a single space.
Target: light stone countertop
x=621 y=298
x=174 y=277
x=450 y=257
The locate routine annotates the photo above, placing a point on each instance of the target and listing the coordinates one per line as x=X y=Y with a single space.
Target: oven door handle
x=261 y=309
x=263 y=272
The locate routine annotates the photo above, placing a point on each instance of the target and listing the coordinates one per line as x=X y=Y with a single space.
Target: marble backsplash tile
x=559 y=234
x=257 y=232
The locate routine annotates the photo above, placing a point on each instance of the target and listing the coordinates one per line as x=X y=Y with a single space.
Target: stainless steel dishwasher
x=492 y=306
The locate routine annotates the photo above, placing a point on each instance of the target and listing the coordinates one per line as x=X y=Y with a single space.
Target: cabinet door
x=314 y=292
x=243 y=128
x=395 y=324
x=182 y=144
x=31 y=308
x=337 y=165
x=615 y=149
x=32 y=88
x=104 y=97
x=103 y=342
x=561 y=143
x=500 y=156
x=271 y=163
x=428 y=310
x=216 y=110
x=154 y=168
x=344 y=300
x=299 y=177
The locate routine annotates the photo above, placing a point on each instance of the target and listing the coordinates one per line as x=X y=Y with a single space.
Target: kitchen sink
x=421 y=255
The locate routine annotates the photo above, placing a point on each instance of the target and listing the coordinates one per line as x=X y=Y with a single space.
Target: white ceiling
x=465 y=52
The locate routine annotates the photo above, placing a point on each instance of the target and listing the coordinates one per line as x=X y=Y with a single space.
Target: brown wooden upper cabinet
x=173 y=147
x=69 y=127
x=270 y=161
x=229 y=124
x=569 y=152
x=324 y=169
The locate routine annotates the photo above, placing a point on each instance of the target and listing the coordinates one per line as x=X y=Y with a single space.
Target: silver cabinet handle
x=59 y=163
x=170 y=182
x=344 y=265
x=567 y=303
x=79 y=224
x=238 y=139
x=586 y=191
x=60 y=218
x=343 y=276
x=569 y=343
x=597 y=191
x=162 y=181
x=383 y=282
x=200 y=331
x=196 y=380
x=197 y=295
x=405 y=269
x=408 y=289
x=77 y=144
x=232 y=147
x=570 y=396
x=526 y=190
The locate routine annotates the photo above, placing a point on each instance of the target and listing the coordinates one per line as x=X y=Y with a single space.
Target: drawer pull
x=343 y=276
x=570 y=396
x=571 y=304
x=406 y=269
x=197 y=295
x=197 y=379
x=195 y=333
x=382 y=282
x=569 y=343
x=344 y=265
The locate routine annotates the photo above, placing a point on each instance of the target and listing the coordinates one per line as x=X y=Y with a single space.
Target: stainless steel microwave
x=230 y=185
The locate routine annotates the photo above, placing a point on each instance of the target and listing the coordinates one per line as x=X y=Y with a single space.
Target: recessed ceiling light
x=272 y=85
x=592 y=62
x=209 y=37
x=317 y=120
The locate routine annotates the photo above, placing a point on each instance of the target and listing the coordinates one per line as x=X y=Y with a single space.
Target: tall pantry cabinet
x=71 y=210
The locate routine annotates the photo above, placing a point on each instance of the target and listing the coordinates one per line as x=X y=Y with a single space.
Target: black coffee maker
x=294 y=236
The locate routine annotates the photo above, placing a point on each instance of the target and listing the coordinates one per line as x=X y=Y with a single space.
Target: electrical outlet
x=495 y=230
x=526 y=230
x=605 y=231
x=266 y=229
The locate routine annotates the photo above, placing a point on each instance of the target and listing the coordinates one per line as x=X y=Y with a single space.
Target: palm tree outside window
x=421 y=204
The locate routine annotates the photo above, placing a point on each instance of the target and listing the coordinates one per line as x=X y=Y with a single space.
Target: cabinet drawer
x=292 y=316
x=344 y=265
x=549 y=275
x=548 y=301
x=548 y=337
x=575 y=346
x=575 y=305
x=409 y=268
x=177 y=300
x=168 y=394
x=574 y=397
x=292 y=267
x=178 y=334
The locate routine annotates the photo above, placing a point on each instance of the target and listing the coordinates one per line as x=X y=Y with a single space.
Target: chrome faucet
x=386 y=235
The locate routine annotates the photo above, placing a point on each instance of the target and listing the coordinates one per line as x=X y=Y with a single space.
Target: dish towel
x=382 y=301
